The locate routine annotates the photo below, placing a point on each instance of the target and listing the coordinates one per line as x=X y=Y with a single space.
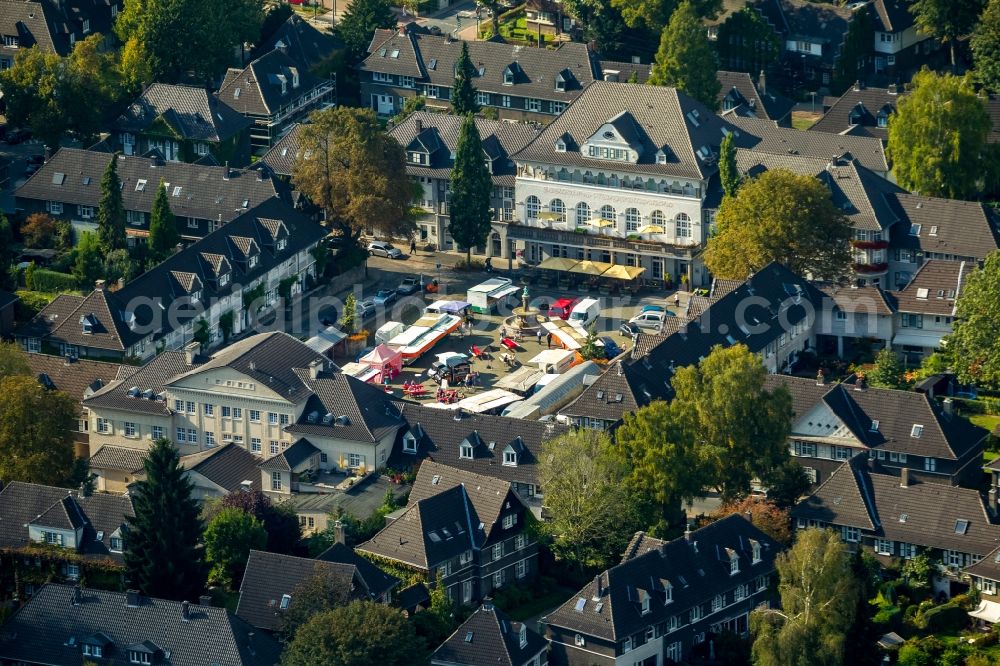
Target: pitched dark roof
x=369 y=413
x=270 y=576
x=226 y=466
x=281 y=157
x=302 y=42
x=151 y=378
x=858 y=110
x=7 y=299
x=865 y=299
x=988 y=567
x=376 y=581
x=48 y=506
x=34 y=24
x=934 y=288
x=741 y=95
x=431 y=59
x=925 y=514
x=192 y=112
x=51 y=316
x=266 y=84
x=291 y=457
x=891 y=15
x=947 y=226
x=616 y=70
x=203 y=192
x=487 y=638
x=610 y=396
x=800 y=19
x=91 y=321
x=488 y=494
x=116 y=457
x=697 y=570
x=41 y=631
x=77 y=379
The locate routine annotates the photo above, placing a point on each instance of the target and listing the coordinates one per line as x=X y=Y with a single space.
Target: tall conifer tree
x=163 y=235
x=471 y=186
x=463 y=93
x=111 y=210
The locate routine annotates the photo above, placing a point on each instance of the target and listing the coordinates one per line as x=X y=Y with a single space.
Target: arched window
x=531 y=207
x=683 y=225
x=557 y=206
x=608 y=213
x=658 y=218
x=632 y=218
x=582 y=213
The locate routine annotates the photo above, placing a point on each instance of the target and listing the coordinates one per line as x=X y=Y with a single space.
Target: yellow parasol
x=588 y=267
x=618 y=272
x=558 y=264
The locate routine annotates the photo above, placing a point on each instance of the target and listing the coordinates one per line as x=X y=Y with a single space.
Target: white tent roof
x=987 y=610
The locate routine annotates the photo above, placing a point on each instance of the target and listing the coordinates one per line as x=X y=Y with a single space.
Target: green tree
x=747 y=43
x=780 y=216
x=818 y=602
x=349 y=319
x=728 y=173
x=410 y=106
x=355 y=172
x=974 y=346
x=202 y=333
x=985 y=44
x=888 y=371
x=6 y=242
x=947 y=20
x=768 y=517
x=786 y=484
x=229 y=538
x=742 y=427
x=275 y=17
x=88 y=265
x=434 y=626
x=122 y=264
x=280 y=520
x=590 y=350
x=90 y=73
x=111 y=209
x=918 y=572
x=655 y=14
x=591 y=515
x=13 y=360
x=163 y=557
x=360 y=21
x=39 y=230
x=322 y=591
x=463 y=93
x=686 y=60
x=855 y=51
x=471 y=186
x=29 y=276
x=937 y=137
x=163 y=234
x=32 y=90
x=358 y=634
x=36 y=426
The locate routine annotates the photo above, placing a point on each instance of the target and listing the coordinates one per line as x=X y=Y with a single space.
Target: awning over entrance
x=931 y=340
x=988 y=611
x=558 y=264
x=588 y=267
x=619 y=272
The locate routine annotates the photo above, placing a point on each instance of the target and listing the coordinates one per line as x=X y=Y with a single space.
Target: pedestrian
x=503 y=332
x=548 y=339
x=677 y=299
x=538 y=334
x=413 y=247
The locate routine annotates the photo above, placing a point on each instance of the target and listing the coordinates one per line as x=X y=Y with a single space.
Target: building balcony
x=871 y=269
x=525 y=232
x=296 y=106
x=869 y=245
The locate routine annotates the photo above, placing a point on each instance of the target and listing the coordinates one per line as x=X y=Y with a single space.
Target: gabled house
x=860 y=315
x=926 y=306
x=811 y=36
x=280 y=158
x=666 y=600
x=202 y=198
x=301 y=41
x=271 y=585
x=274 y=92
x=490 y=638
x=65 y=625
x=900 y=517
x=281 y=473
x=897 y=429
x=468 y=527
x=742 y=96
x=53 y=26
x=183 y=124
x=861 y=111
x=900 y=48
x=218 y=472
x=548 y=17
x=49 y=533
x=379 y=585
x=603 y=404
x=521 y=83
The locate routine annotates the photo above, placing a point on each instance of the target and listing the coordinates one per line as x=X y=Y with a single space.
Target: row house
x=900 y=48
x=55 y=534
x=490 y=638
x=899 y=517
x=667 y=600
x=469 y=528
x=430 y=141
x=182 y=124
x=520 y=83
x=53 y=26
x=202 y=198
x=898 y=430
x=926 y=307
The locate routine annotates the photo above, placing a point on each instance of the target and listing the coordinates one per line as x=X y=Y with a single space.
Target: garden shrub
x=888 y=618
x=910 y=614
x=946 y=618
x=911 y=654
x=53 y=282
x=963 y=600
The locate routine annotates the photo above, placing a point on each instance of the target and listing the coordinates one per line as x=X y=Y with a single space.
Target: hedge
x=946 y=618
x=31 y=303
x=990 y=406
x=53 y=282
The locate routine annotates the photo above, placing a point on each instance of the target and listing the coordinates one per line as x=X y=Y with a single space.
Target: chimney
x=820 y=378
x=858 y=86
x=871 y=463
x=132 y=598
x=598 y=592
x=191 y=352
x=762 y=83
x=225 y=172
x=315 y=368
x=861 y=384
x=687 y=532
x=663 y=548
x=85 y=489
x=749 y=516
x=418 y=124
x=121 y=283
x=994 y=502
x=949 y=407
x=204 y=600
x=77 y=596
x=488 y=604
x=185 y=611
x=904 y=477
x=246 y=485
x=893 y=89
x=339 y=534
x=100 y=285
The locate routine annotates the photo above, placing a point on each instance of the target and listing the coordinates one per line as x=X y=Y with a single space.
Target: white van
x=585 y=312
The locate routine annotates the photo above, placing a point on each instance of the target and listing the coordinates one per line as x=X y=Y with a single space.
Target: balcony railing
x=297 y=105
x=563 y=237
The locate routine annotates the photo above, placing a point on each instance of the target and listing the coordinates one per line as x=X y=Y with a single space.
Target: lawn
x=989 y=456
x=987 y=421
x=540 y=604
x=803 y=120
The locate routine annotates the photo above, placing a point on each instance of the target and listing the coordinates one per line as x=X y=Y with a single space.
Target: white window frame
x=276 y=480
x=884 y=546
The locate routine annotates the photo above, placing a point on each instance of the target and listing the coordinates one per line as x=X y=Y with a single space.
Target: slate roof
x=269 y=576
x=89 y=321
x=48 y=506
x=799 y=19
x=924 y=514
x=610 y=396
x=963 y=228
x=439 y=132
x=891 y=15
x=438 y=436
x=267 y=358
x=664 y=118
x=226 y=466
x=370 y=412
x=488 y=494
x=487 y=638
x=942 y=436
x=741 y=95
x=868 y=151
x=206 y=192
x=865 y=299
x=280 y=158
x=290 y=458
x=616 y=70
x=151 y=377
x=7 y=299
x=376 y=581
x=696 y=576
x=256 y=90
x=34 y=24
x=988 y=567
x=858 y=110
x=51 y=316
x=77 y=379
x=934 y=288
x=40 y=632
x=193 y=112
x=120 y=458
x=431 y=59
x=303 y=42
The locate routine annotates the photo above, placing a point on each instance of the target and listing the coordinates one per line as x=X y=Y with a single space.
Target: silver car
x=383 y=249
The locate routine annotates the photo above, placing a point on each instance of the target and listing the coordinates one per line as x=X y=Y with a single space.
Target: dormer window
x=196 y=296
x=286 y=601
x=510 y=457
x=508 y=77
x=560 y=146
x=882 y=119
x=224 y=279
x=136 y=657
x=734 y=563
x=140 y=185
x=668 y=592
x=661 y=156
x=253 y=262
x=409 y=443
x=755 y=547
x=465 y=451
x=282 y=243
x=523 y=635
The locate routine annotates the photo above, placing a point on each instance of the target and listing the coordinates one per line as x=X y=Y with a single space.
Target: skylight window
x=286 y=600
x=140 y=185
x=468 y=637
x=961 y=526
x=922 y=293
x=874 y=425
x=914 y=229
x=934 y=230
x=394 y=53
x=177 y=191
x=917 y=430
x=580 y=603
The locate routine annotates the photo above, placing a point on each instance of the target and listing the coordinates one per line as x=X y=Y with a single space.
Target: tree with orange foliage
x=765 y=516
x=39 y=231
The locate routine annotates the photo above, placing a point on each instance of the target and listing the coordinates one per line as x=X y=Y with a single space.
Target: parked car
x=334 y=241
x=365 y=309
x=611 y=348
x=384 y=249
x=649 y=320
x=629 y=330
x=15 y=136
x=409 y=285
x=653 y=308
x=451 y=365
x=562 y=307
x=384 y=297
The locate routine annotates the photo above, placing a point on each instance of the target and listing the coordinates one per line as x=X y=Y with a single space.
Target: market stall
x=386 y=360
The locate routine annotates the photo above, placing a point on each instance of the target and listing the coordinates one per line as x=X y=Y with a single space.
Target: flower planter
x=870 y=245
